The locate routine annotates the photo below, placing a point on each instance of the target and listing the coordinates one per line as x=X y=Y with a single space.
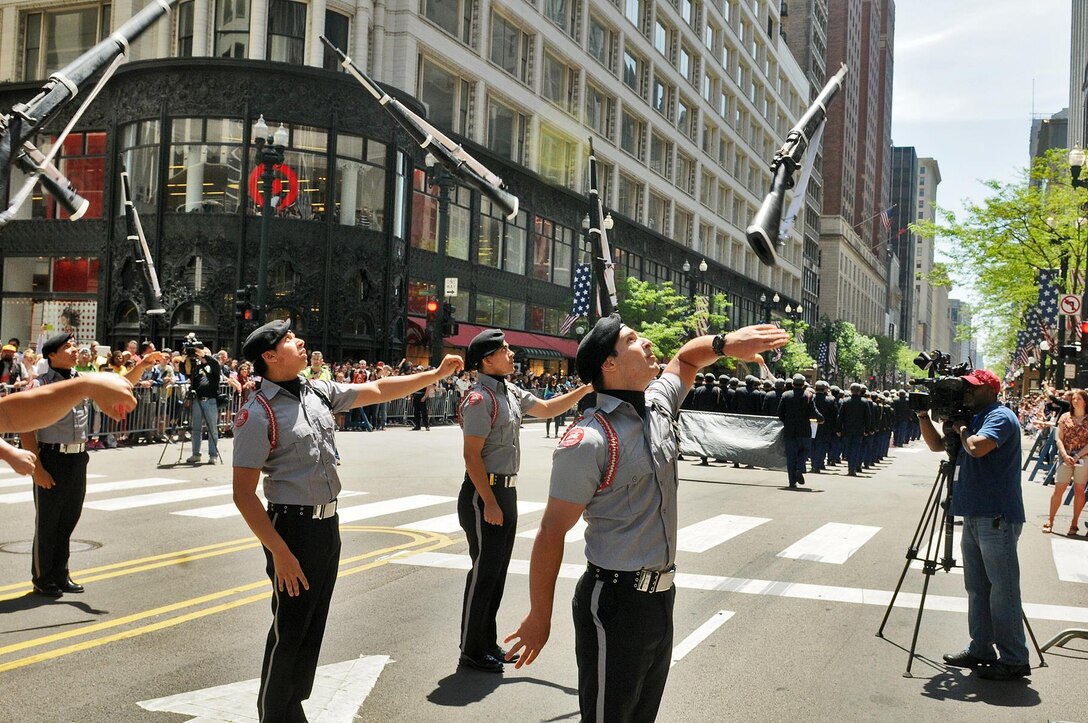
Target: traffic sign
x=451 y=286
x=1070 y=304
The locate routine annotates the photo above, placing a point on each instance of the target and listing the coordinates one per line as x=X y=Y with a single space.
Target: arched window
x=196 y=274
x=358 y=324
x=363 y=285
x=128 y=316
x=282 y=279
x=193 y=316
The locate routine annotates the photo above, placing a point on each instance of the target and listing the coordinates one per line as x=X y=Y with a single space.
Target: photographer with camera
x=203 y=371
x=988 y=497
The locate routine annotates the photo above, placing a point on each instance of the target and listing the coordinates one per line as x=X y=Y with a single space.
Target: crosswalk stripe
x=833 y=543
x=98 y=487
x=450 y=523
x=158 y=498
x=707 y=534
x=218 y=512
x=1070 y=559
x=796 y=590
x=25 y=481
x=700 y=634
x=574 y=534
x=389 y=507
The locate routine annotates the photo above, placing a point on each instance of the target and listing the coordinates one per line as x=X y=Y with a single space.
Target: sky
x=967 y=76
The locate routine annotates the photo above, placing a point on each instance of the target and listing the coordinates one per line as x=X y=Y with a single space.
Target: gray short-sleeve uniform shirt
x=301 y=470
x=632 y=522
x=508 y=403
x=69 y=429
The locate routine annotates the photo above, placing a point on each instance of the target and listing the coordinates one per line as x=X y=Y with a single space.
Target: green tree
x=1002 y=243
x=795 y=357
x=889 y=352
x=665 y=317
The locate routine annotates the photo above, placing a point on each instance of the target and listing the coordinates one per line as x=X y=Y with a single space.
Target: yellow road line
x=433 y=542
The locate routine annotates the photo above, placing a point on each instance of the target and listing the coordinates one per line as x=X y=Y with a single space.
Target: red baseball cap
x=984 y=377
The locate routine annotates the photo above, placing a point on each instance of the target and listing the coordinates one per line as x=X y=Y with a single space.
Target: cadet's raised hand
x=112 y=393
x=289 y=574
x=745 y=344
x=450 y=365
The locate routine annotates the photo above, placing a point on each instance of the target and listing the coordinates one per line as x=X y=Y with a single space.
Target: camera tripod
x=935 y=532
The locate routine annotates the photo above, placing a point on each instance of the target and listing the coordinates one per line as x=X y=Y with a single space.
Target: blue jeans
x=991 y=575
x=206 y=413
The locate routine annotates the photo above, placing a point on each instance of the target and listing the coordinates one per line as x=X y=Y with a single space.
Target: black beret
x=265 y=338
x=596 y=346
x=486 y=342
x=54 y=343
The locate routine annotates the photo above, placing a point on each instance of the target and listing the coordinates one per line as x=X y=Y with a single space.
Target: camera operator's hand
x=958 y=426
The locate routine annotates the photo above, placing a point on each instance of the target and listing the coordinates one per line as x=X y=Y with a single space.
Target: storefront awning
x=535 y=346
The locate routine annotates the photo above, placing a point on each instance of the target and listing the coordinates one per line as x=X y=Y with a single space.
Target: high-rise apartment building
x=857 y=166
x=928 y=309
x=1078 y=75
x=904 y=191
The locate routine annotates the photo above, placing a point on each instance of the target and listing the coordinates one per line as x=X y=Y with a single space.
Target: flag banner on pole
x=739 y=438
x=832 y=357
x=580 y=307
x=821 y=355
x=886 y=220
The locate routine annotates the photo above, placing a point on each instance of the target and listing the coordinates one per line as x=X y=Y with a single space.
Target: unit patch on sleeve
x=242 y=418
x=573 y=437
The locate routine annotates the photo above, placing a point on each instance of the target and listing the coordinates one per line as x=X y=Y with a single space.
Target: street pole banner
x=733 y=437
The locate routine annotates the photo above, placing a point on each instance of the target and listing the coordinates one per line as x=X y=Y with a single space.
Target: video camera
x=946 y=387
x=190 y=345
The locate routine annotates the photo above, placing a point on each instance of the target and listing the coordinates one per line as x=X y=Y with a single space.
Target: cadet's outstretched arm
x=39 y=407
x=742 y=344
x=548 y=408
x=389 y=388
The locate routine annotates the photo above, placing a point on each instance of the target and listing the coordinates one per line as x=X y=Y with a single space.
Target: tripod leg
x=1031 y=634
x=917 y=626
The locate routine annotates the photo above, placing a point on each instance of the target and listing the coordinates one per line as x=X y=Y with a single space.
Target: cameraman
x=202 y=369
x=987 y=495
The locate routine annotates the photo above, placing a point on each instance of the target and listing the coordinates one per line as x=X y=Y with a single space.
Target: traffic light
x=432 y=310
x=244 y=310
x=448 y=325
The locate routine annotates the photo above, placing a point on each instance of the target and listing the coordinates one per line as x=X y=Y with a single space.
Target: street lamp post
x=438 y=175
x=1063 y=274
x=270 y=154
x=768 y=306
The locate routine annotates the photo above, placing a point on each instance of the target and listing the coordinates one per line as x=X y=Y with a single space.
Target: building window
x=140 y=155
x=453 y=16
x=685 y=118
x=83 y=160
x=511 y=47
x=559 y=83
x=232 y=28
x=446 y=96
x=502 y=242
x=629 y=197
x=632 y=10
x=602 y=41
x=632 y=135
x=660 y=156
x=684 y=225
x=661 y=97
x=556 y=156
x=418 y=293
x=685 y=173
x=497 y=311
x=658 y=217
x=561 y=12
x=507 y=130
x=185 y=29
x=337 y=28
x=287 y=31
x=425 y=217
x=553 y=249
x=600 y=111
x=685 y=66
x=360 y=182
x=54 y=38
x=206 y=167
x=544 y=319
x=662 y=37
x=633 y=69
x=687 y=12
x=306 y=159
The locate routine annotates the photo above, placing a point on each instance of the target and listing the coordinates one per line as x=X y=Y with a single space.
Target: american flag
x=833 y=357
x=1048 y=304
x=821 y=355
x=580 y=307
x=886 y=221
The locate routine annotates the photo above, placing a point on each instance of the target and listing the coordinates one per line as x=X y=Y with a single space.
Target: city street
x=779 y=600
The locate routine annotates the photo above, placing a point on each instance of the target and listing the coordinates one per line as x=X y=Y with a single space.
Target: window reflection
x=206 y=165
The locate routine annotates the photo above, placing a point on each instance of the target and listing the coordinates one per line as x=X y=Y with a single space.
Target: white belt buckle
x=652 y=581
x=512 y=480
x=70 y=448
x=325 y=511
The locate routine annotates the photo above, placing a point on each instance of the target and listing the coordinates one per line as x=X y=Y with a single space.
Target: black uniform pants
x=421 y=416
x=57 y=511
x=623 y=643
x=490 y=547
x=298 y=623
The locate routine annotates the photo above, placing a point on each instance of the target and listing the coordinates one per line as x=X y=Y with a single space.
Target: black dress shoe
x=966 y=659
x=800 y=479
x=48 y=590
x=487 y=663
x=500 y=654
x=70 y=586
x=1004 y=671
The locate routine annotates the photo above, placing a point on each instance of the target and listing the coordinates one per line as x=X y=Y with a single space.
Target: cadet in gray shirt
x=617 y=466
x=286 y=430
x=491 y=414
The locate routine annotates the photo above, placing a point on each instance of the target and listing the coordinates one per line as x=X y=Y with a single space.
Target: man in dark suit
x=854 y=421
x=707 y=398
x=772 y=395
x=795 y=410
x=743 y=399
x=829 y=408
x=903 y=418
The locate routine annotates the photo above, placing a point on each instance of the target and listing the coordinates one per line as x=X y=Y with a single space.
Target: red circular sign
x=285 y=172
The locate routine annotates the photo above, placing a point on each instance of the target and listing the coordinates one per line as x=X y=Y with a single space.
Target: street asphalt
x=774 y=621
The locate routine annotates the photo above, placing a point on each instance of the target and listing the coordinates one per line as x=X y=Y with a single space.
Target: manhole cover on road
x=25 y=547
